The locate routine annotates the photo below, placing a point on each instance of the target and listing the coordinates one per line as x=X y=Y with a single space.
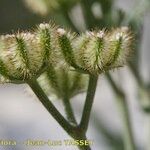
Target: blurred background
x=23 y=117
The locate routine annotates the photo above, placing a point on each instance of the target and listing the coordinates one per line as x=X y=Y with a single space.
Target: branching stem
x=49 y=106
x=72 y=130
x=88 y=103
x=123 y=106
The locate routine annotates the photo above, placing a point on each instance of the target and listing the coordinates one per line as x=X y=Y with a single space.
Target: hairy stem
x=69 y=111
x=73 y=131
x=50 y=107
x=88 y=103
x=123 y=106
x=84 y=147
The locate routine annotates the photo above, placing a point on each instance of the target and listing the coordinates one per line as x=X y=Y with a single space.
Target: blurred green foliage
x=14 y=16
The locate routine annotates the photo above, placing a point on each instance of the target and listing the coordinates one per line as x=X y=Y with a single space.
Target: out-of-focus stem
x=147 y=132
x=114 y=140
x=144 y=90
x=128 y=136
x=88 y=14
x=123 y=106
x=136 y=74
x=69 y=21
x=69 y=111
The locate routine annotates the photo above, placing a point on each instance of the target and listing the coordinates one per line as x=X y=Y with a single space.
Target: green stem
x=73 y=131
x=123 y=106
x=144 y=89
x=50 y=107
x=136 y=74
x=69 y=21
x=114 y=140
x=69 y=111
x=84 y=147
x=82 y=128
x=88 y=103
x=147 y=131
x=128 y=136
x=88 y=14
x=145 y=104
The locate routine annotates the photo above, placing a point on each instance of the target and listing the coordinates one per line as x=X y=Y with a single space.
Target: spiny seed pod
x=61 y=83
x=90 y=50
x=119 y=44
x=100 y=51
x=3 y=79
x=49 y=43
x=20 y=56
x=45 y=34
x=65 y=42
x=43 y=7
x=58 y=79
x=26 y=55
x=96 y=52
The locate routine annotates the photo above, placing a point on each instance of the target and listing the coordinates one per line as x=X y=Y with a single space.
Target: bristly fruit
x=20 y=56
x=24 y=56
x=101 y=51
